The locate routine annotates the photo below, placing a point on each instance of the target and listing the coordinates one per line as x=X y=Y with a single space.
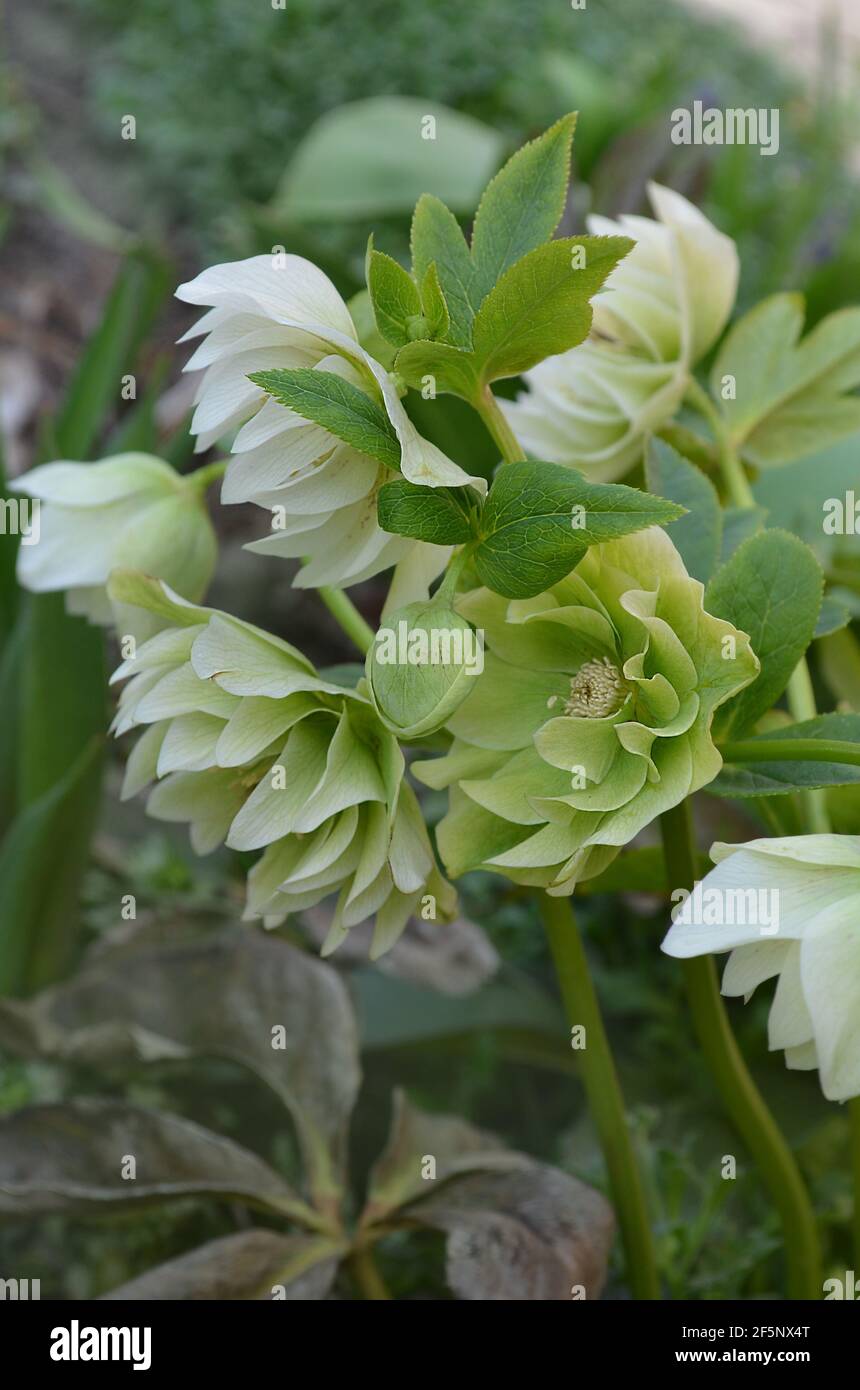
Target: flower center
x=596 y=690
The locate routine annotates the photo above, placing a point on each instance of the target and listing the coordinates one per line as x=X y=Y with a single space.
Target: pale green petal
x=272 y=810
x=258 y=721
x=409 y=855
x=142 y=764
x=189 y=744
x=749 y=966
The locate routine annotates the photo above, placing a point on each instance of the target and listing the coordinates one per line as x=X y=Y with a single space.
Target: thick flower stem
x=604 y=1095
x=784 y=750
x=204 y=477
x=363 y=1268
x=348 y=616
x=493 y=417
x=741 y=1098
x=801 y=702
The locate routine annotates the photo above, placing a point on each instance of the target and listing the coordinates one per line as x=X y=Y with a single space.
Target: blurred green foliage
x=223 y=92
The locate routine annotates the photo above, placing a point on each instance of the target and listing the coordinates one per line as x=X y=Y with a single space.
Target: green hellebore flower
x=132 y=509
x=250 y=746
x=422 y=666
x=592 y=716
x=788 y=908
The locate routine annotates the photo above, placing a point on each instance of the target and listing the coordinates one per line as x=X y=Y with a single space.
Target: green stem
x=854 y=1119
x=491 y=413
x=801 y=702
x=783 y=750
x=734 y=477
x=364 y=1270
x=348 y=616
x=604 y=1095
x=210 y=473
x=741 y=1098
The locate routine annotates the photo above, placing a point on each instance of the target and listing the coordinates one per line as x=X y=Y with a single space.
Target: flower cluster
x=661 y=310
x=592 y=715
x=251 y=747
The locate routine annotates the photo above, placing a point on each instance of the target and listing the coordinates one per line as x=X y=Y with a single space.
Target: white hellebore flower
x=132 y=509
x=659 y=312
x=249 y=746
x=789 y=908
x=281 y=311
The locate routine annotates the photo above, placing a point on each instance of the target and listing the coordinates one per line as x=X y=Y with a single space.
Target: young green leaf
x=771 y=589
x=521 y=207
x=698 y=534
x=339 y=407
x=784 y=398
x=440 y=515
x=540 y=518
x=434 y=305
x=395 y=298
x=437 y=237
x=539 y=308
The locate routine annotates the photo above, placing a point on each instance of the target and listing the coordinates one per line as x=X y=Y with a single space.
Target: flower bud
x=421 y=667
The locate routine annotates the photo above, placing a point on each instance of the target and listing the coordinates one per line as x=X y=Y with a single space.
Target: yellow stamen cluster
x=597 y=690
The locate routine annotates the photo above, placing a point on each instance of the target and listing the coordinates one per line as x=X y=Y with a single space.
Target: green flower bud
x=421 y=667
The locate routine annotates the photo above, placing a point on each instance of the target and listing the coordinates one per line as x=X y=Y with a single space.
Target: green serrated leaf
x=438 y=515
x=521 y=207
x=338 y=406
x=394 y=296
x=771 y=589
x=697 y=535
x=789 y=394
x=540 y=518
x=540 y=306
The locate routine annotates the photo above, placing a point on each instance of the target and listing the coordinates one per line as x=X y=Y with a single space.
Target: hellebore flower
x=255 y=750
x=132 y=509
x=788 y=908
x=659 y=312
x=592 y=715
x=281 y=311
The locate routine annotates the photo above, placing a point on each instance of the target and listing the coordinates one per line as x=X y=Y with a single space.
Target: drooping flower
x=789 y=909
x=661 y=309
x=250 y=746
x=281 y=311
x=592 y=715
x=132 y=509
